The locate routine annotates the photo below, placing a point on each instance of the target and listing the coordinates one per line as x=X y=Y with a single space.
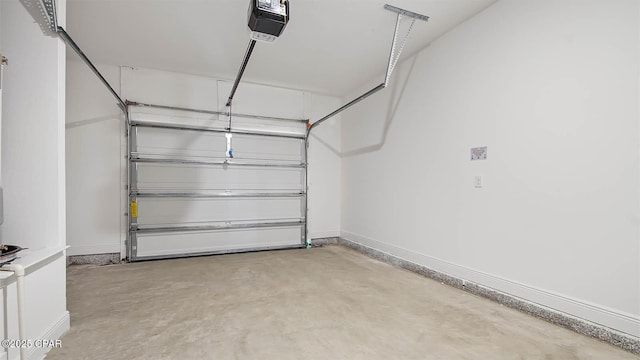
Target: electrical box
x=267 y=19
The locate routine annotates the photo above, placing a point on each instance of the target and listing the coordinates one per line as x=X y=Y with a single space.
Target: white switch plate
x=477 y=181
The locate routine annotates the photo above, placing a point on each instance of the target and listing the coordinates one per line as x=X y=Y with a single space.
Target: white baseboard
x=93 y=249
x=598 y=314
x=54 y=332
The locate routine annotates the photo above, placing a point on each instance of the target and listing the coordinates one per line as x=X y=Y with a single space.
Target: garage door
x=189 y=197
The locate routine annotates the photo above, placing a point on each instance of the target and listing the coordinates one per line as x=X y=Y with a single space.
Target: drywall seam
x=616 y=328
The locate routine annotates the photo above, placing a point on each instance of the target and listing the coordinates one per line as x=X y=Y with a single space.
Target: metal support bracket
x=51 y=17
x=406 y=13
x=393 y=56
x=391 y=64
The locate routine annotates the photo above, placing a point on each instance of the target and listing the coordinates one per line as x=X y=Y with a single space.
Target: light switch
x=477 y=181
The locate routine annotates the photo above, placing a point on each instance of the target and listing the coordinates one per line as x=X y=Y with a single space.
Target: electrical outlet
x=477 y=181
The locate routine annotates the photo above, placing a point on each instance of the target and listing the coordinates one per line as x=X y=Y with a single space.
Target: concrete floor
x=323 y=303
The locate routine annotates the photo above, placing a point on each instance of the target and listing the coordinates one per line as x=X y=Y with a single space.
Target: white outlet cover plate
x=477 y=181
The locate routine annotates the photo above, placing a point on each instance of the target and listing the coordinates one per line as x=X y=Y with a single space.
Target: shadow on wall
x=91 y=121
x=397 y=92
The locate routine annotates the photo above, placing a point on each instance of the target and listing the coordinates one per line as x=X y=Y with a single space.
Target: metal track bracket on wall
x=394 y=56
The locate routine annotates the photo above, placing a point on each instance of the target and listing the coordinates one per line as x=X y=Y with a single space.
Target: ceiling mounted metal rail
x=245 y=61
x=69 y=41
x=44 y=13
x=391 y=64
x=267 y=20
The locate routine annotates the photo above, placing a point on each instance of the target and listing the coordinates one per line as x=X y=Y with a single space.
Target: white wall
x=324 y=171
x=95 y=146
x=33 y=133
x=33 y=173
x=93 y=132
x=551 y=87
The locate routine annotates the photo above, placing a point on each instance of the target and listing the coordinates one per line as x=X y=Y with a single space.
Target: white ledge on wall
x=32 y=260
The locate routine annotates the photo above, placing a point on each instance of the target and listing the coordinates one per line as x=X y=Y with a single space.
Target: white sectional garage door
x=188 y=197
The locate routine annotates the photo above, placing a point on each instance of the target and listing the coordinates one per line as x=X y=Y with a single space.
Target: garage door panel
x=188 y=197
x=266 y=148
x=190 y=177
x=179 y=243
x=175 y=117
x=195 y=144
x=217 y=121
x=180 y=211
x=269 y=126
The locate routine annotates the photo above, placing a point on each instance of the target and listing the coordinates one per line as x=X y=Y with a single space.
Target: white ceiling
x=330 y=46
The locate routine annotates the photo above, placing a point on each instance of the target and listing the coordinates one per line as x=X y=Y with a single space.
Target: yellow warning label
x=134 y=209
